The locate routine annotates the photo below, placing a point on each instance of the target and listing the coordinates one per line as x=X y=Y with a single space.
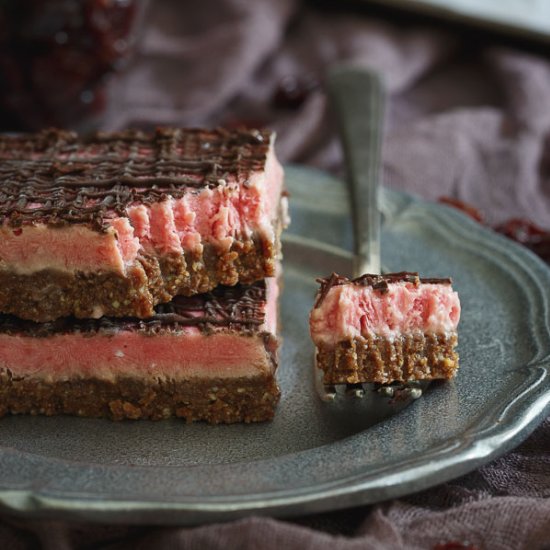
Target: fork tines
x=397 y=391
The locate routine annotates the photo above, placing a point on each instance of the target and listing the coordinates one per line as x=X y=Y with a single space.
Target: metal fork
x=358 y=98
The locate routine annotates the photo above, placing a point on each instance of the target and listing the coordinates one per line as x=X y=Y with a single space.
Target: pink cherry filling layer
x=168 y=356
x=217 y=216
x=350 y=311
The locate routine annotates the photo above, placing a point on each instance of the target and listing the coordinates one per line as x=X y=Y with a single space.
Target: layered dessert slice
x=385 y=328
x=207 y=357
x=117 y=223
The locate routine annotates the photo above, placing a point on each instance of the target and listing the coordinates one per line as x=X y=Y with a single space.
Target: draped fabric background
x=466 y=118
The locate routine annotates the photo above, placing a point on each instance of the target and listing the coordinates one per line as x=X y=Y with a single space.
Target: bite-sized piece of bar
x=116 y=223
x=207 y=357
x=385 y=328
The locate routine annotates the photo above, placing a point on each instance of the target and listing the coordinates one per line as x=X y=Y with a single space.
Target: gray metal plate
x=316 y=456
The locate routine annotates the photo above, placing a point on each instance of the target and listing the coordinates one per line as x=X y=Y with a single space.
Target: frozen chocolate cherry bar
x=119 y=222
x=385 y=328
x=207 y=357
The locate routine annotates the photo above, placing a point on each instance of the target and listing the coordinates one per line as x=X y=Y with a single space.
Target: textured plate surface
x=316 y=456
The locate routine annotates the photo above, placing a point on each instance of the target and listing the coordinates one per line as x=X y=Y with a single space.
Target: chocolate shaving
x=239 y=308
x=326 y=284
x=380 y=283
x=55 y=177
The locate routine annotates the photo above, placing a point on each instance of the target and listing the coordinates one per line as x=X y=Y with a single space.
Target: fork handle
x=358 y=99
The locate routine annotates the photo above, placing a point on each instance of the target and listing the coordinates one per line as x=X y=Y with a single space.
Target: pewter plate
x=316 y=456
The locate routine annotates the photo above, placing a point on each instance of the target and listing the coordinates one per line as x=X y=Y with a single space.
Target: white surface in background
x=528 y=15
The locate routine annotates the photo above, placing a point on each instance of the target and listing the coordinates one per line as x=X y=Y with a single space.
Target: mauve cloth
x=465 y=119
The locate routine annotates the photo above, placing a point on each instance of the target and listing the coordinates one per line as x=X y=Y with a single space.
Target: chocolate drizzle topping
x=57 y=178
x=239 y=308
x=380 y=283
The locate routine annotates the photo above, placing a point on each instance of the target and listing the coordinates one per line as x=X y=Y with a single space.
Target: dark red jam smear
x=55 y=55
x=292 y=91
x=239 y=308
x=528 y=234
x=522 y=231
x=56 y=177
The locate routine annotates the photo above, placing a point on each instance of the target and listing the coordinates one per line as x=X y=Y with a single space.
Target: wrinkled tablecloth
x=467 y=118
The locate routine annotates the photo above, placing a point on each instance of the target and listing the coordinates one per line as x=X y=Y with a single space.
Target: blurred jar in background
x=56 y=57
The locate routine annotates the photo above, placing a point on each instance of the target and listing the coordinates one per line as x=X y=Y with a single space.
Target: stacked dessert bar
x=137 y=274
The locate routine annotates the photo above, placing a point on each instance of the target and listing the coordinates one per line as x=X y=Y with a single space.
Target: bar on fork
x=394 y=331
x=391 y=330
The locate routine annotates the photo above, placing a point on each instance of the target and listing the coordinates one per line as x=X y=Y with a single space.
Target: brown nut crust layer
x=370 y=360
x=216 y=401
x=48 y=295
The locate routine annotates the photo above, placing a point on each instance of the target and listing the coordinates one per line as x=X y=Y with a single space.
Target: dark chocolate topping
x=377 y=282
x=55 y=177
x=238 y=308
